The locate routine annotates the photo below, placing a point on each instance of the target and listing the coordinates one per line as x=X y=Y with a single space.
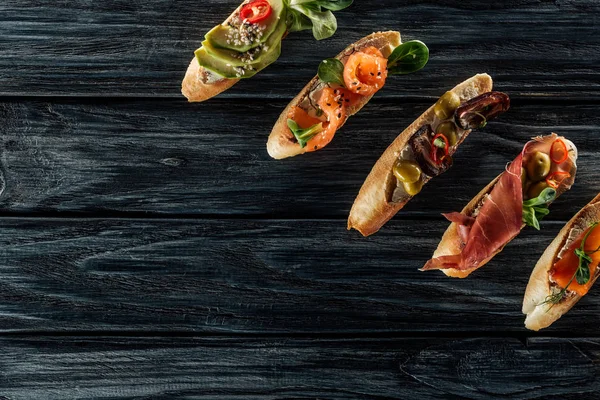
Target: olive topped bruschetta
x=519 y=196
x=423 y=151
x=566 y=271
x=342 y=87
x=250 y=40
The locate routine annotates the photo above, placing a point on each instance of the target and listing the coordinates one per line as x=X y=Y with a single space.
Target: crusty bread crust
x=195 y=90
x=541 y=315
x=371 y=209
x=451 y=243
x=281 y=143
x=192 y=86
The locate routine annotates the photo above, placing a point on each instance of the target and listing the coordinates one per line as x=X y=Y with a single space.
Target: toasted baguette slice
x=371 y=209
x=282 y=143
x=540 y=315
x=196 y=86
x=451 y=243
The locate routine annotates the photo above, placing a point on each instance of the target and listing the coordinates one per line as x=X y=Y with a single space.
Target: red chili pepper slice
x=562 y=147
x=434 y=148
x=256 y=11
x=554 y=184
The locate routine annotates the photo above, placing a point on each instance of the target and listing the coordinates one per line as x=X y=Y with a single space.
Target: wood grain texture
x=283 y=368
x=198 y=233
x=257 y=277
x=168 y=158
x=142 y=48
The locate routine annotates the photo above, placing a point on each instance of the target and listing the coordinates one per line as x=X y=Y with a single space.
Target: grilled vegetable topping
x=421 y=146
x=476 y=113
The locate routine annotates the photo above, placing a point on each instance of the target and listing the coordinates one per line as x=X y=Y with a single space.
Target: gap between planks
x=324 y=336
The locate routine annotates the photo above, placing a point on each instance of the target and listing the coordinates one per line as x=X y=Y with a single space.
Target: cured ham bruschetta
x=520 y=196
x=566 y=271
x=424 y=150
x=343 y=86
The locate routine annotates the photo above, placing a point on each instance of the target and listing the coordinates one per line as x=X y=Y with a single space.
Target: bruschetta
x=519 y=196
x=250 y=40
x=566 y=271
x=342 y=87
x=424 y=150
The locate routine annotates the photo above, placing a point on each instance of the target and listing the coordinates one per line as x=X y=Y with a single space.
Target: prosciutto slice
x=464 y=224
x=499 y=220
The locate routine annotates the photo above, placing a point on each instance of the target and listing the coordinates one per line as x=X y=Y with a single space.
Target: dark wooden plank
x=257 y=276
x=142 y=48
x=163 y=157
x=283 y=368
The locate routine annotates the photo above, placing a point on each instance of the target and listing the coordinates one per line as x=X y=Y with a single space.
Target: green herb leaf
x=407 y=58
x=585 y=260
x=529 y=218
x=555 y=298
x=583 y=270
x=304 y=135
x=439 y=142
x=546 y=197
x=297 y=21
x=331 y=70
x=334 y=5
x=306 y=14
x=324 y=23
x=534 y=210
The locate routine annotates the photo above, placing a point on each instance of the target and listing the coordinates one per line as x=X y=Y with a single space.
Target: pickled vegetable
x=446 y=105
x=413 y=188
x=538 y=166
x=407 y=171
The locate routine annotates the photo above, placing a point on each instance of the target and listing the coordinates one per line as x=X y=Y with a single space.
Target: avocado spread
x=239 y=49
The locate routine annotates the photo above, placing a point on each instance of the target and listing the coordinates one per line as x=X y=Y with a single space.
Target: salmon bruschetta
x=342 y=87
x=566 y=271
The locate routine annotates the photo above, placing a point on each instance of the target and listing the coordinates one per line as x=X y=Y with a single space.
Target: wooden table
x=150 y=248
